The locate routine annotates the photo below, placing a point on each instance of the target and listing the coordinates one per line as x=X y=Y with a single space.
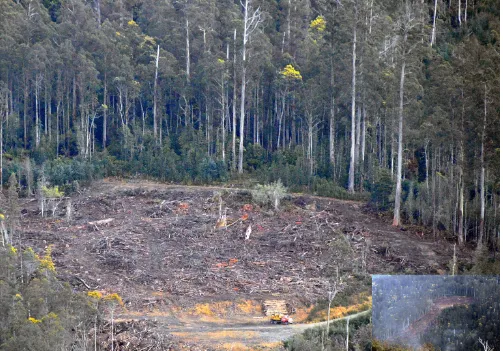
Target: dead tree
x=485 y=345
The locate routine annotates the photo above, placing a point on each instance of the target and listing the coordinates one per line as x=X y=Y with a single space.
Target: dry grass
x=235 y=346
x=301 y=314
x=249 y=307
x=231 y=334
x=226 y=308
x=342 y=311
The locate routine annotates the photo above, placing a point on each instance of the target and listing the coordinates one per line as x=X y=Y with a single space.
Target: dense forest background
x=398 y=301
x=394 y=98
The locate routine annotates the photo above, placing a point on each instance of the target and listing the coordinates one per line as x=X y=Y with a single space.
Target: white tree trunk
x=223 y=114
x=250 y=23
x=358 y=135
x=155 y=91
x=398 y=190
x=351 y=181
x=234 y=101
x=105 y=109
x=364 y=133
x=243 y=90
x=347 y=333
x=242 y=118
x=461 y=180
x=434 y=25
x=332 y=116
x=459 y=12
x=482 y=174
x=37 y=118
x=310 y=143
x=187 y=51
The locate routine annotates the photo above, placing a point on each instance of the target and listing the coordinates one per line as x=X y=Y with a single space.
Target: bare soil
x=163 y=253
x=422 y=324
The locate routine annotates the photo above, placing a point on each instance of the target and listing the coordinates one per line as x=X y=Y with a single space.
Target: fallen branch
x=101 y=222
x=83 y=282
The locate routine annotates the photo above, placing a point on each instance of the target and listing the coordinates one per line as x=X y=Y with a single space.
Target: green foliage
x=38 y=312
x=328 y=188
x=64 y=171
x=270 y=194
x=485 y=264
x=209 y=170
x=255 y=156
x=52 y=192
x=311 y=339
x=382 y=189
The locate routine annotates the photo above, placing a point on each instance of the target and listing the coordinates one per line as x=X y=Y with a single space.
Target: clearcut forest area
x=175 y=174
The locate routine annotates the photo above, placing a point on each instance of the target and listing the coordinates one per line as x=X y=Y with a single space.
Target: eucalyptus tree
x=251 y=20
x=407 y=23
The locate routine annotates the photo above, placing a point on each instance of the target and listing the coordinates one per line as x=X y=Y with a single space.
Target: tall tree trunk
x=46 y=108
x=38 y=82
x=98 y=11
x=364 y=133
x=434 y=25
x=105 y=110
x=234 y=102
x=482 y=174
x=243 y=90
x=351 y=181
x=357 y=131
x=25 y=110
x=223 y=103
x=347 y=333
x=249 y=25
x=242 y=116
x=398 y=190
x=331 y=137
x=187 y=50
x=460 y=204
x=459 y=12
x=155 y=91
x=461 y=175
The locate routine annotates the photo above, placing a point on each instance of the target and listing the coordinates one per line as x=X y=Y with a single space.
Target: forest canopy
x=396 y=98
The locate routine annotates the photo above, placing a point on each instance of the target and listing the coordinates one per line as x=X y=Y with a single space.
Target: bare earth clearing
x=411 y=335
x=440 y=304
x=162 y=253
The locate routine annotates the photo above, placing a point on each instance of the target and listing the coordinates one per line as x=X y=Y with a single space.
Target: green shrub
x=382 y=189
x=328 y=188
x=62 y=171
x=269 y=194
x=254 y=157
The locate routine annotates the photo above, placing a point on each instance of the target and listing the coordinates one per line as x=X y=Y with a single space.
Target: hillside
x=161 y=252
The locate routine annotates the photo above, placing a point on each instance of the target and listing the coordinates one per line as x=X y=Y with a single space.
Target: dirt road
x=420 y=326
x=248 y=334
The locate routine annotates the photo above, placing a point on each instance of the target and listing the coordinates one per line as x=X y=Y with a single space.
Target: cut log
x=101 y=222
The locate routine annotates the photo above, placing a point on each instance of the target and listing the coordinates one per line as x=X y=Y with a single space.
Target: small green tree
x=54 y=196
x=269 y=194
x=381 y=190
